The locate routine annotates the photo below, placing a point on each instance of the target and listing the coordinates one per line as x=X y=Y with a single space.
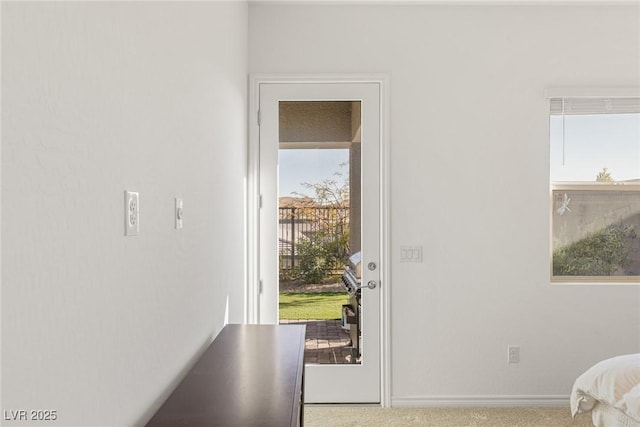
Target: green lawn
x=312 y=305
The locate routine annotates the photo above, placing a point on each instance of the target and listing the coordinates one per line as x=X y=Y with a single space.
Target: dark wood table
x=251 y=375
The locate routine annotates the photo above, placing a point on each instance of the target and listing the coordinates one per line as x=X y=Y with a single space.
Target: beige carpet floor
x=335 y=416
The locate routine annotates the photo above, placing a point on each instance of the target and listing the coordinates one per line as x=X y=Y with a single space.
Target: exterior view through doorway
x=319 y=225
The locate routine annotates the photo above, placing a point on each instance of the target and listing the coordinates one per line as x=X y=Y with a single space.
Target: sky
x=307 y=165
x=593 y=142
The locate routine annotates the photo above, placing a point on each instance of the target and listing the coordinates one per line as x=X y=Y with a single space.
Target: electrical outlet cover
x=131 y=213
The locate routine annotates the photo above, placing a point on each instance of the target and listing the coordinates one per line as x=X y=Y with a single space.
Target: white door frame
x=252 y=283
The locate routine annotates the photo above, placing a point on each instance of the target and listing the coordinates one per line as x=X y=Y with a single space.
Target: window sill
x=589 y=280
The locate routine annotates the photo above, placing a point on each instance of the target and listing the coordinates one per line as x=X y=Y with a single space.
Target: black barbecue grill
x=351 y=319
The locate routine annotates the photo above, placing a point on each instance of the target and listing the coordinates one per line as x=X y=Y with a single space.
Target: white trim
x=328 y=78
x=592 y=92
x=595 y=186
x=581 y=282
x=253 y=205
x=486 y=401
x=444 y=2
x=385 y=244
x=253 y=213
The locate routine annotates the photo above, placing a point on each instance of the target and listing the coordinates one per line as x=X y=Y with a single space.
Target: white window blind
x=572 y=106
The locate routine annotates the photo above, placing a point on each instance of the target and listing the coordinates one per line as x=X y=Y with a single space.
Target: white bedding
x=614 y=382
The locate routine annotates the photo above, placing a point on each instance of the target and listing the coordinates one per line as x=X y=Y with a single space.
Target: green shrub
x=601 y=253
x=284 y=274
x=319 y=254
x=314 y=259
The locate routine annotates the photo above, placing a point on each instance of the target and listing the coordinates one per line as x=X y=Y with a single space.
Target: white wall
x=98 y=98
x=469 y=181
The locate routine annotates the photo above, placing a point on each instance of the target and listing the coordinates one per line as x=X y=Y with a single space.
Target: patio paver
x=325 y=341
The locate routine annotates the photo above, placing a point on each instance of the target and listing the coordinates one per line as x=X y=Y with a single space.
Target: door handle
x=371 y=284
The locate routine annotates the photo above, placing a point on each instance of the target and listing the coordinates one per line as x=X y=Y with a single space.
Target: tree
x=604 y=176
x=328 y=245
x=330 y=191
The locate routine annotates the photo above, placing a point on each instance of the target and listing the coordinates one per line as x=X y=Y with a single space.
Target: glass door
x=319 y=174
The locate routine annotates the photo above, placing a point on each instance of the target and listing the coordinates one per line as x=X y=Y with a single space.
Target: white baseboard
x=491 y=401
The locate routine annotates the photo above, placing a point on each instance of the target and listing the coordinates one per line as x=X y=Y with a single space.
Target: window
x=595 y=189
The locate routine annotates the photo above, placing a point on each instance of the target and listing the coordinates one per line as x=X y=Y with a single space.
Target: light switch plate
x=513 y=354
x=410 y=253
x=179 y=213
x=131 y=213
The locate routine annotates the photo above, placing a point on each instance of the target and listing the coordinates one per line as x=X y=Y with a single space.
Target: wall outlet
x=513 y=354
x=131 y=213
